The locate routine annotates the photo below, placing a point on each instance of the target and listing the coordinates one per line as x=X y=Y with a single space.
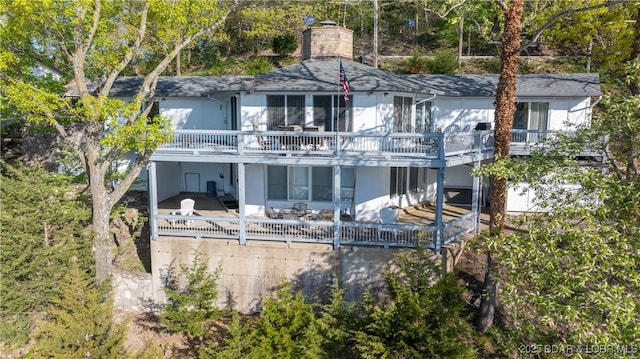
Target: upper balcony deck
x=427 y=149
x=525 y=142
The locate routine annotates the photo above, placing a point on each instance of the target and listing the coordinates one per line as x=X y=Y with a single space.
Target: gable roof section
x=528 y=85
x=323 y=75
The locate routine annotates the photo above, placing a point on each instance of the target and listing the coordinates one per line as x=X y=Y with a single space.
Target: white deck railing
x=329 y=143
x=282 y=230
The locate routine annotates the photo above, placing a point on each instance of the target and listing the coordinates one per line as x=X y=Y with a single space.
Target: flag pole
x=337 y=120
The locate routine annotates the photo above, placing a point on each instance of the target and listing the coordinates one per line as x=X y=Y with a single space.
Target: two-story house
x=294 y=178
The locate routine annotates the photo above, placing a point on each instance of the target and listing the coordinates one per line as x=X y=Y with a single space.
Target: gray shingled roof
x=321 y=75
x=177 y=86
x=528 y=85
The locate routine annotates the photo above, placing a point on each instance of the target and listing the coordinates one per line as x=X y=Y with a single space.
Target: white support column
x=153 y=199
x=336 y=207
x=242 y=203
x=438 y=240
x=475 y=199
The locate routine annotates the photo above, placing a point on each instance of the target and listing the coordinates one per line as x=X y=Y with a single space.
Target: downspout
x=592 y=106
x=427 y=99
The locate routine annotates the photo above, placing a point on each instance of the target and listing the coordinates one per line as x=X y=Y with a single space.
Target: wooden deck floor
x=419 y=214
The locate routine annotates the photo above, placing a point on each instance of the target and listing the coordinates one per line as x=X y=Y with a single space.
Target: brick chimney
x=327 y=41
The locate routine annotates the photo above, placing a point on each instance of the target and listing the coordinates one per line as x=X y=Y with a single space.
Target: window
x=423 y=117
x=398 y=181
x=332 y=112
x=322 y=189
x=284 y=110
x=402 y=114
x=155 y=109
x=347 y=183
x=277 y=182
x=413 y=179
x=297 y=183
x=532 y=116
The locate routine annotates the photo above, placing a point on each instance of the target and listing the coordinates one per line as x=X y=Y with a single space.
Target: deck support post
x=153 y=199
x=242 y=203
x=475 y=200
x=438 y=240
x=336 y=207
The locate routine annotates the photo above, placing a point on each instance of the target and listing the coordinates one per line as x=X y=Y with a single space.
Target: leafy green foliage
x=257 y=65
x=443 y=62
x=79 y=321
x=191 y=308
x=287 y=328
x=416 y=64
x=422 y=319
x=284 y=45
x=572 y=276
x=43 y=225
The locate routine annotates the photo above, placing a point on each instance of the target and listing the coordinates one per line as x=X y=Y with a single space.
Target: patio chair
x=388 y=216
x=300 y=209
x=187 y=208
x=271 y=213
x=266 y=144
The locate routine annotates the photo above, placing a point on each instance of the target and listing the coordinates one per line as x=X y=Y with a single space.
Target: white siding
x=462 y=112
x=196 y=113
x=255 y=189
x=169 y=179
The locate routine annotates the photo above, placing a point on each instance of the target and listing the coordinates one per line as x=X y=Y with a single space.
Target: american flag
x=344 y=82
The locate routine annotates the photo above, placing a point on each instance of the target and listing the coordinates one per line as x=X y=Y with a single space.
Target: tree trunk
x=488 y=299
x=178 y=65
x=375 y=33
x=635 y=55
x=505 y=109
x=102 y=241
x=460 y=39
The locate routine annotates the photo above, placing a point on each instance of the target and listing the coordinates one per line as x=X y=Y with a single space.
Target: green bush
x=416 y=64
x=79 y=322
x=284 y=45
x=191 y=309
x=257 y=65
x=287 y=328
x=421 y=320
x=444 y=61
x=43 y=225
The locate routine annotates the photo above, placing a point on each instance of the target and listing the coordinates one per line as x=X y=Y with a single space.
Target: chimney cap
x=328 y=23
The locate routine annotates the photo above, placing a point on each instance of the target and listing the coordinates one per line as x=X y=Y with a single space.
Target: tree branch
x=94 y=26
x=132 y=174
x=557 y=16
x=443 y=16
x=113 y=75
x=147 y=89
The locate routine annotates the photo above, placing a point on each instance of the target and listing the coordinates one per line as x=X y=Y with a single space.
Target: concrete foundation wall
x=251 y=272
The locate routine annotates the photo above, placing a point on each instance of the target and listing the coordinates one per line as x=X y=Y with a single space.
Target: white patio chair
x=388 y=215
x=187 y=208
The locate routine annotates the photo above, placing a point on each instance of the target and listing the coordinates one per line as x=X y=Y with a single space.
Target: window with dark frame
x=300 y=183
x=402 y=114
x=398 y=181
x=285 y=110
x=332 y=112
x=532 y=116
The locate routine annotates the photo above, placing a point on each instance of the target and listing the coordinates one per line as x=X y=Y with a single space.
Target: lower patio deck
x=214 y=219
